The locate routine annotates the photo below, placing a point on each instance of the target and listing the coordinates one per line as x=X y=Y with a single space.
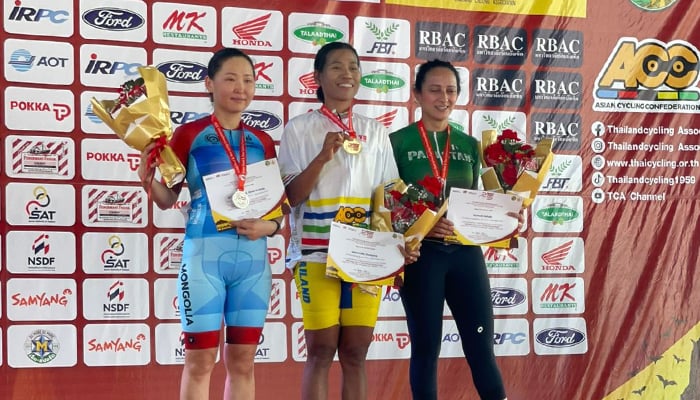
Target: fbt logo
x=382 y=45
x=111 y=257
x=37 y=209
x=247 y=32
x=30 y=14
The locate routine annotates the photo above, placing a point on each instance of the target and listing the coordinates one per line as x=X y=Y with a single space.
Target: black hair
x=220 y=57
x=322 y=57
x=426 y=67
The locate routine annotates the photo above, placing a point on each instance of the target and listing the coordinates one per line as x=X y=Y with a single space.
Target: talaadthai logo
x=318 y=33
x=557 y=213
x=649 y=76
x=560 y=337
x=183 y=71
x=248 y=31
x=113 y=19
x=503 y=297
x=382 y=81
x=260 y=119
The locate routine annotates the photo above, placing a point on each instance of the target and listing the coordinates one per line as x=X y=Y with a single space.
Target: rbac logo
x=183 y=71
x=113 y=19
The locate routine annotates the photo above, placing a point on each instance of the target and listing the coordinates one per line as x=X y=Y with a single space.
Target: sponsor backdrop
x=597 y=302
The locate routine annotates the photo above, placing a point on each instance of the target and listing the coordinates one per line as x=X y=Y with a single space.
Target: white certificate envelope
x=361 y=255
x=481 y=218
x=264 y=188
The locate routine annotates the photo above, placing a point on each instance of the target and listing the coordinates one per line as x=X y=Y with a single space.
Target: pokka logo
x=318 y=34
x=113 y=19
x=649 y=76
x=387 y=119
x=61 y=111
x=557 y=213
x=111 y=257
x=42 y=346
x=248 y=31
x=401 y=339
x=382 y=81
x=37 y=208
x=653 y=5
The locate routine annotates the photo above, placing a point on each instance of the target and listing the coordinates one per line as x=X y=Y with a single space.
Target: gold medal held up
x=352 y=146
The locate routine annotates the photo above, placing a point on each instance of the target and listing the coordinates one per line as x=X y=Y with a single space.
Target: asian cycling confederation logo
x=653 y=5
x=649 y=76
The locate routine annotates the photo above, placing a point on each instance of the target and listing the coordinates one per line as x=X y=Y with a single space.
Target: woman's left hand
x=520 y=216
x=255 y=228
x=410 y=256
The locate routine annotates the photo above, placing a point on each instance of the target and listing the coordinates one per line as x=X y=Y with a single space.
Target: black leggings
x=457 y=274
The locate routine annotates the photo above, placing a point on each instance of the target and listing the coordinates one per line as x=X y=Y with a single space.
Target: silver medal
x=240 y=199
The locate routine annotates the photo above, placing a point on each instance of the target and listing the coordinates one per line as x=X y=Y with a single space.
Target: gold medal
x=240 y=199
x=352 y=146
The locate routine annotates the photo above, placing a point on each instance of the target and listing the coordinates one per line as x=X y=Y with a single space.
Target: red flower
x=508 y=156
x=431 y=184
x=408 y=205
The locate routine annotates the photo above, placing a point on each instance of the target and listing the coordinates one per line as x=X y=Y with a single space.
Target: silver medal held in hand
x=240 y=199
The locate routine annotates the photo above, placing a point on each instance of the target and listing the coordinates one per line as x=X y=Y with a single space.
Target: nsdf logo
x=649 y=75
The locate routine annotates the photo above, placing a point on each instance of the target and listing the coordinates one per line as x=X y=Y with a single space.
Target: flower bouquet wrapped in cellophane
x=512 y=166
x=140 y=116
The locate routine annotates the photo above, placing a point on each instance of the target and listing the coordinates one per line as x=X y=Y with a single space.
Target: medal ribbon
x=336 y=120
x=239 y=168
x=441 y=175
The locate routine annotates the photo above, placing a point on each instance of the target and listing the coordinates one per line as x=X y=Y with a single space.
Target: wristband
x=277 y=229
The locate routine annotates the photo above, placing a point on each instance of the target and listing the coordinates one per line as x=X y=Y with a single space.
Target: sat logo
x=37 y=208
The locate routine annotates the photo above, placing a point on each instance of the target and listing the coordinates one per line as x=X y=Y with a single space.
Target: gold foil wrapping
x=145 y=121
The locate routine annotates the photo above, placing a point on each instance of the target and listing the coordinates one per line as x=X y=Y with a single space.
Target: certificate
x=360 y=255
x=263 y=186
x=481 y=218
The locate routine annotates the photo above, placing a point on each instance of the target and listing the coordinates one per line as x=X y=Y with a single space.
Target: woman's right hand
x=444 y=227
x=331 y=144
x=147 y=169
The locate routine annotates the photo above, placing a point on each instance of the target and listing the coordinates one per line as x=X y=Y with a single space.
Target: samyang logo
x=649 y=76
x=560 y=337
x=382 y=81
x=318 y=34
x=260 y=119
x=113 y=19
x=183 y=71
x=502 y=297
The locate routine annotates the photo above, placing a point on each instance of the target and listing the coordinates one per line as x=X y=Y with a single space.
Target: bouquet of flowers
x=141 y=115
x=513 y=166
x=410 y=209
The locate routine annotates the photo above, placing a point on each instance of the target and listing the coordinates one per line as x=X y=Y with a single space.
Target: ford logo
x=183 y=71
x=560 y=337
x=113 y=19
x=506 y=297
x=262 y=120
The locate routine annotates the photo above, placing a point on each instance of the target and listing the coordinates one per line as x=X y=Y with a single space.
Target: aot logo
x=560 y=337
x=111 y=257
x=113 y=19
x=20 y=13
x=247 y=32
x=648 y=71
x=183 y=71
x=22 y=60
x=260 y=119
x=382 y=45
x=105 y=67
x=382 y=81
x=42 y=346
x=318 y=34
